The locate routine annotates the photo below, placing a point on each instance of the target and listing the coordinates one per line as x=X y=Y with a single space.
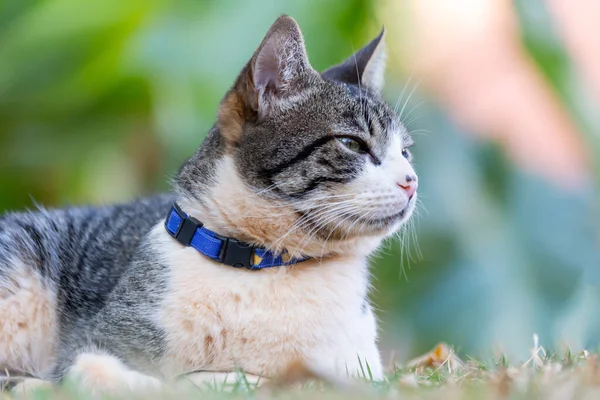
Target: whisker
x=323 y=223
x=397 y=105
x=349 y=216
x=309 y=201
x=419 y=132
x=408 y=114
x=403 y=252
x=312 y=207
x=302 y=222
x=408 y=123
x=408 y=98
x=268 y=188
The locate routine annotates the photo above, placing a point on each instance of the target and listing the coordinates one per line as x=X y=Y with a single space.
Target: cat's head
x=311 y=162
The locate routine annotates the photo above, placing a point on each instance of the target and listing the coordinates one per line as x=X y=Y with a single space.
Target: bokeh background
x=100 y=101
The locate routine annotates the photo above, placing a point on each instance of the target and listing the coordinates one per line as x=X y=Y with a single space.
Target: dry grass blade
x=438 y=357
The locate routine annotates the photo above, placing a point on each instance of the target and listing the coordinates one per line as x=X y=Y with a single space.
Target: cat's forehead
x=327 y=107
x=370 y=107
x=369 y=101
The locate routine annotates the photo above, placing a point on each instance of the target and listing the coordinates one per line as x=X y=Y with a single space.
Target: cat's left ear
x=366 y=67
x=274 y=77
x=280 y=64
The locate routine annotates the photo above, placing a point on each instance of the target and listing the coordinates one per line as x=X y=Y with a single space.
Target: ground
x=439 y=374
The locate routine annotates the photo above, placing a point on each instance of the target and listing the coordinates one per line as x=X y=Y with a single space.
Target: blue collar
x=190 y=232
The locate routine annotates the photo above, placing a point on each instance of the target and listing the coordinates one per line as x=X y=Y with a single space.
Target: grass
x=436 y=375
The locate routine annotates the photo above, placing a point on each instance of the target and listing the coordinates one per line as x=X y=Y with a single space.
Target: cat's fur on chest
x=218 y=318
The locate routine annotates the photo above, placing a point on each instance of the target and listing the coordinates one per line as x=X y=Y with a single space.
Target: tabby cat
x=258 y=258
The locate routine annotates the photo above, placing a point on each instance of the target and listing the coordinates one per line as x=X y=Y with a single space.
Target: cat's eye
x=406 y=153
x=352 y=144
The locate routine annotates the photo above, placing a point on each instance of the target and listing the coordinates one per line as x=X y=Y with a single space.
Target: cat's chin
x=354 y=227
x=361 y=240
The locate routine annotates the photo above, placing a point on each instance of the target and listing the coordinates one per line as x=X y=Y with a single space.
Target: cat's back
x=78 y=240
x=58 y=267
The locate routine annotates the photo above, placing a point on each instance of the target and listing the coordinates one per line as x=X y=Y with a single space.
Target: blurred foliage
x=101 y=101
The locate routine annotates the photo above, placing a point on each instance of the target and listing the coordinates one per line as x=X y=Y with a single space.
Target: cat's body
x=57 y=269
x=312 y=164
x=167 y=310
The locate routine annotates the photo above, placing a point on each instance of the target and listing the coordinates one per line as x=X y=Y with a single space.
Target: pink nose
x=409 y=185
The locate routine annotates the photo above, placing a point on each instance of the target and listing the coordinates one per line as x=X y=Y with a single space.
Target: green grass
x=569 y=376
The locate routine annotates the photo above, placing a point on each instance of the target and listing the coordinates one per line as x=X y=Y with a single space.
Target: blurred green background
x=100 y=101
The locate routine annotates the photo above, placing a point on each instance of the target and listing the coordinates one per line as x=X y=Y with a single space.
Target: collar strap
x=190 y=232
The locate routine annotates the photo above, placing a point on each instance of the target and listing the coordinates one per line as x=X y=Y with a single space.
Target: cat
x=298 y=182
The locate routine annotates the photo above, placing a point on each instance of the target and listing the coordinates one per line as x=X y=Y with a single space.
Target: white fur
x=106 y=374
x=217 y=318
x=28 y=323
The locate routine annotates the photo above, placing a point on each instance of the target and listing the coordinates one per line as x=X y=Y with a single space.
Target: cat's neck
x=230 y=209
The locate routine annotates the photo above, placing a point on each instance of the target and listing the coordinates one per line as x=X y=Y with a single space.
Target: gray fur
x=101 y=261
x=84 y=254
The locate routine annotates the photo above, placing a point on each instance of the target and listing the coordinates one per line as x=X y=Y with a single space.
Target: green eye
x=351 y=144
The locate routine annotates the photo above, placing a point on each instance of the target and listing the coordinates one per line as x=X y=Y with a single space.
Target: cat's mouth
x=350 y=225
x=391 y=219
x=386 y=220
x=379 y=224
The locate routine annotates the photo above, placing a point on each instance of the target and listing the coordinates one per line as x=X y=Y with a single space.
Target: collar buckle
x=186 y=231
x=187 y=228
x=236 y=253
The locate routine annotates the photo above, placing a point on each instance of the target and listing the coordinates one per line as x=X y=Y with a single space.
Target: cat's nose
x=409 y=184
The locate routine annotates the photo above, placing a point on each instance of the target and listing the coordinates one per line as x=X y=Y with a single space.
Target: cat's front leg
x=347 y=361
x=365 y=362
x=104 y=374
x=355 y=353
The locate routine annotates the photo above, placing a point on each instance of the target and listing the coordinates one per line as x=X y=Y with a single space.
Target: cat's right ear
x=365 y=67
x=273 y=77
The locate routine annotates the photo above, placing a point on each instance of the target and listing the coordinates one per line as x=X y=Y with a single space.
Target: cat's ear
x=366 y=67
x=279 y=62
x=274 y=75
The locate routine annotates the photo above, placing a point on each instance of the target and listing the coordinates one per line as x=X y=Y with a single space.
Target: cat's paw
x=103 y=374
